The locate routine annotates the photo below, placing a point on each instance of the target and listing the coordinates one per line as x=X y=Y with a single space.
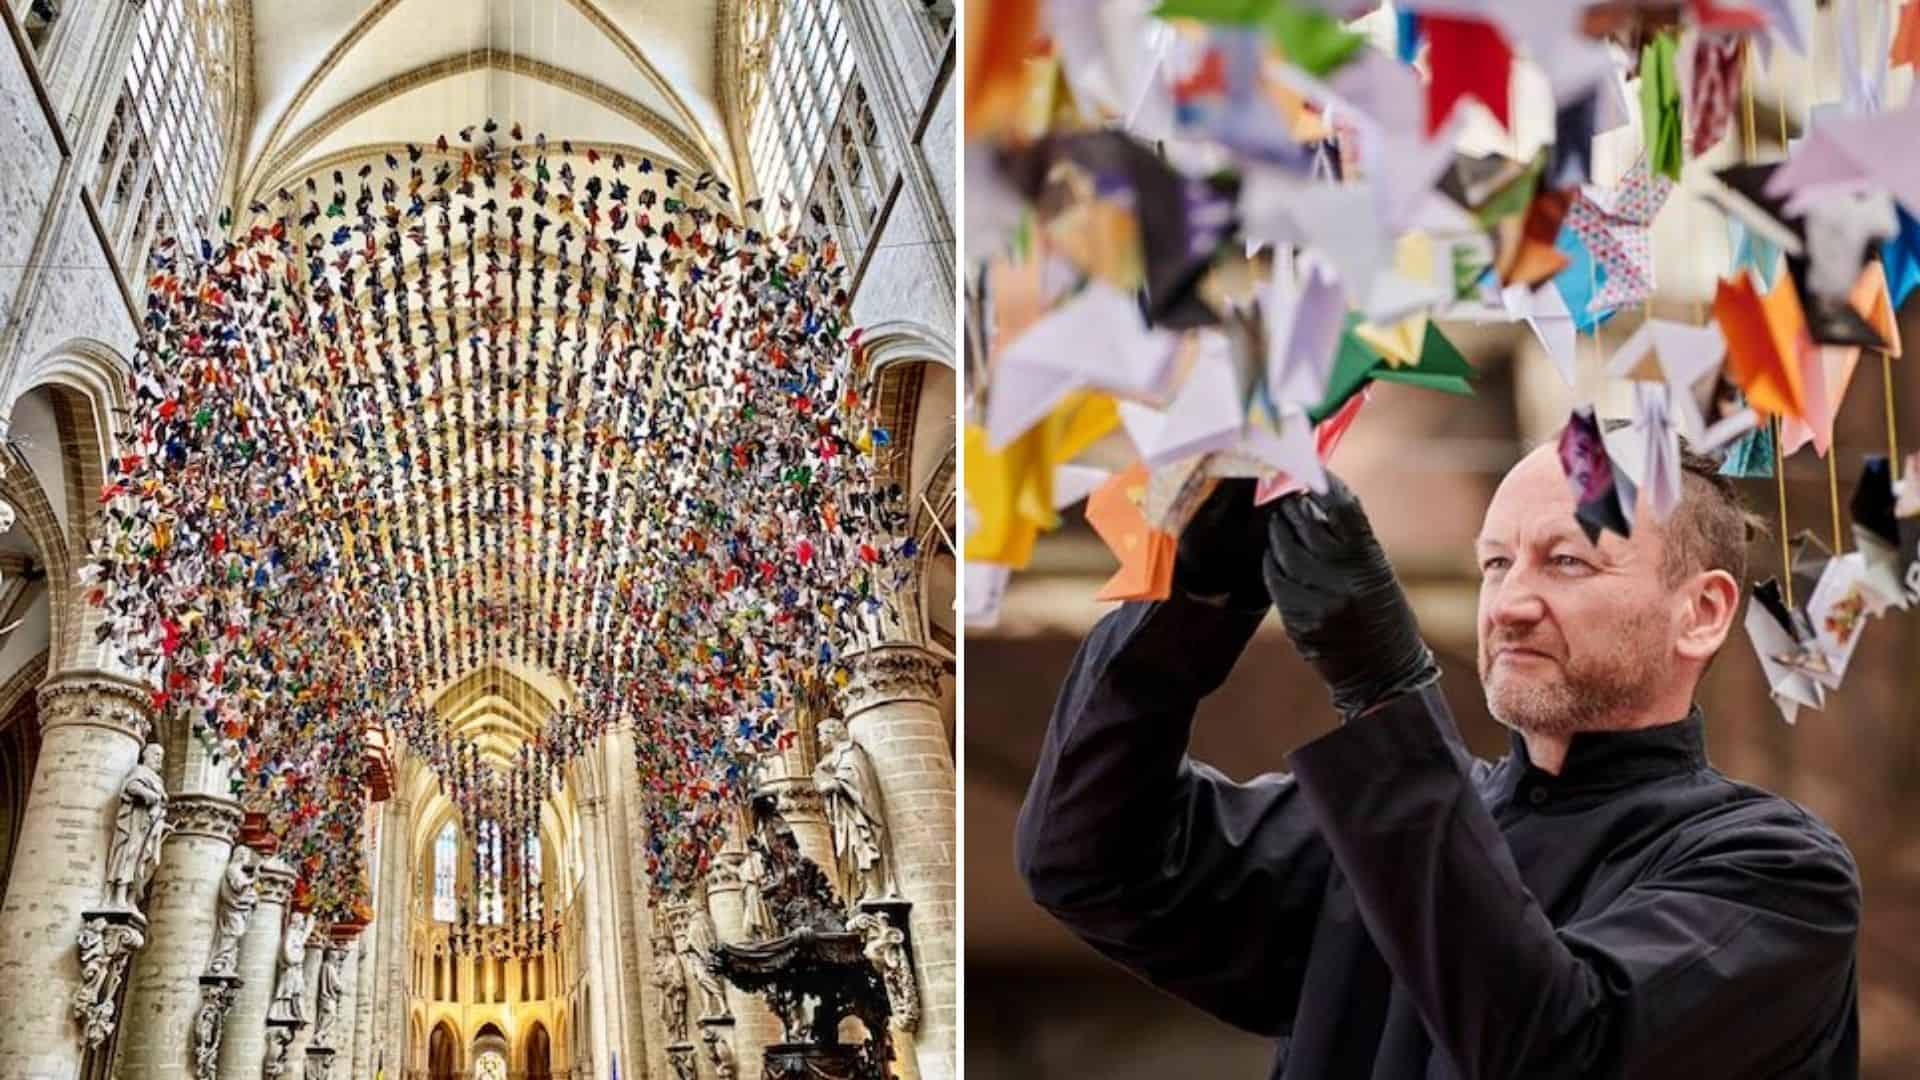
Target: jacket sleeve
x=1206 y=887
x=1721 y=964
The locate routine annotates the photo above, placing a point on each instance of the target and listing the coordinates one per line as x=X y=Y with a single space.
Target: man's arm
x=1206 y=887
x=1718 y=966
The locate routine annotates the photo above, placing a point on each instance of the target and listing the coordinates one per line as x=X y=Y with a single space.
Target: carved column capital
x=212 y=817
x=723 y=873
x=96 y=699
x=275 y=882
x=892 y=673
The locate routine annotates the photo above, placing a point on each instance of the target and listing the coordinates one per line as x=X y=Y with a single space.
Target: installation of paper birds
x=513 y=406
x=1200 y=229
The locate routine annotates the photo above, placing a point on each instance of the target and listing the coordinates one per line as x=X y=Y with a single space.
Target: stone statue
x=695 y=945
x=885 y=946
x=757 y=872
x=721 y=1051
x=138 y=827
x=850 y=793
x=328 y=996
x=288 y=1005
x=672 y=981
x=238 y=895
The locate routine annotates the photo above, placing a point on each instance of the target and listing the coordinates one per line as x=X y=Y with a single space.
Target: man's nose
x=1516 y=599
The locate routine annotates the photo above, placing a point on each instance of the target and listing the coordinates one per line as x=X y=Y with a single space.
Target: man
x=1599 y=903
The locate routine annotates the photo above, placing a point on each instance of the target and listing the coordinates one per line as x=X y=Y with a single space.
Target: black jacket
x=1397 y=908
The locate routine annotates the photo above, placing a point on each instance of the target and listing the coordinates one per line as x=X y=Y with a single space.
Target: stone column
x=163 y=992
x=755 y=1026
x=892 y=707
x=243 y=1044
x=392 y=914
x=594 y=943
x=363 y=1060
x=92 y=726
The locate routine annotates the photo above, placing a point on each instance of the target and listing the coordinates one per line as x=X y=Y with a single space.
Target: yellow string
x=1893 y=438
x=1833 y=499
x=1780 y=480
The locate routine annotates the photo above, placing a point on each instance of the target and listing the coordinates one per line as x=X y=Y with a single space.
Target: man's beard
x=1594 y=692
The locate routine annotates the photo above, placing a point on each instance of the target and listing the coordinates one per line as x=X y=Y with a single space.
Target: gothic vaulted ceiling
x=335 y=81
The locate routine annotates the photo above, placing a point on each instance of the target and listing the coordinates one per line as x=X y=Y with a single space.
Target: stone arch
x=83 y=382
x=911 y=370
x=444 y=1052
x=19 y=753
x=535 y=1055
x=487 y=1042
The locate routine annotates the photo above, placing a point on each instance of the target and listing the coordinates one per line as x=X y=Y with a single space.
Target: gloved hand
x=1220 y=549
x=1340 y=602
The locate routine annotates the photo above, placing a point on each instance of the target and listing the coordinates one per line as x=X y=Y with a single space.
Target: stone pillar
x=755 y=1026
x=363 y=1059
x=163 y=993
x=612 y=942
x=92 y=726
x=594 y=943
x=892 y=707
x=392 y=915
x=243 y=1045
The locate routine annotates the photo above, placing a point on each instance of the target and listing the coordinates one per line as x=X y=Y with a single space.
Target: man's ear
x=1712 y=598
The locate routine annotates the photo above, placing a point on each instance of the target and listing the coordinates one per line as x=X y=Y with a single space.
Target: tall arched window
x=446 y=854
x=533 y=876
x=492 y=898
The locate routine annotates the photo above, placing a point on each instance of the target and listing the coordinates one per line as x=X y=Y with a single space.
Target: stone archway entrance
x=539 y=1053
x=489 y=1055
x=440 y=1053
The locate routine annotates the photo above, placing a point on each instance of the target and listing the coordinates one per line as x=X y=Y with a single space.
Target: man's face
x=1572 y=635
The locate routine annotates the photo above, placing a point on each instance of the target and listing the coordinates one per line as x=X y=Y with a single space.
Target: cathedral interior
x=477 y=576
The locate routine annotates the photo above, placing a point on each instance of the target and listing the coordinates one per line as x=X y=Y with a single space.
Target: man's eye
x=1569 y=562
x=1498 y=562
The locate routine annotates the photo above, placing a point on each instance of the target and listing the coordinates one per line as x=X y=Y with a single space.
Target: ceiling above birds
x=330 y=79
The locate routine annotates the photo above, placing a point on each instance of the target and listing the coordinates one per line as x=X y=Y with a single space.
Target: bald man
x=1601 y=902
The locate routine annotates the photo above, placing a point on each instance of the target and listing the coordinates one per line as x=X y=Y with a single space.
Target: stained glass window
x=492 y=895
x=446 y=852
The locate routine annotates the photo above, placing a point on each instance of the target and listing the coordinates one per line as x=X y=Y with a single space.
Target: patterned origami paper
x=1614 y=224
x=1599 y=499
x=1714 y=62
x=1145 y=553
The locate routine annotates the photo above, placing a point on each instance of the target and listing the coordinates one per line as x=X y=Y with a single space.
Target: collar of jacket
x=1603 y=761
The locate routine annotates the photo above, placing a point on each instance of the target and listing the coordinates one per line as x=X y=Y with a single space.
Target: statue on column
x=332 y=958
x=695 y=945
x=672 y=981
x=238 y=896
x=850 y=792
x=757 y=875
x=288 y=1006
x=721 y=1052
x=138 y=828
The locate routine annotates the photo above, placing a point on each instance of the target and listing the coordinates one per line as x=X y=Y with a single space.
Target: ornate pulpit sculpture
x=814 y=972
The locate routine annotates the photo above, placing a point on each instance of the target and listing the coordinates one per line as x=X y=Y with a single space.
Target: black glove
x=1220 y=549
x=1340 y=602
